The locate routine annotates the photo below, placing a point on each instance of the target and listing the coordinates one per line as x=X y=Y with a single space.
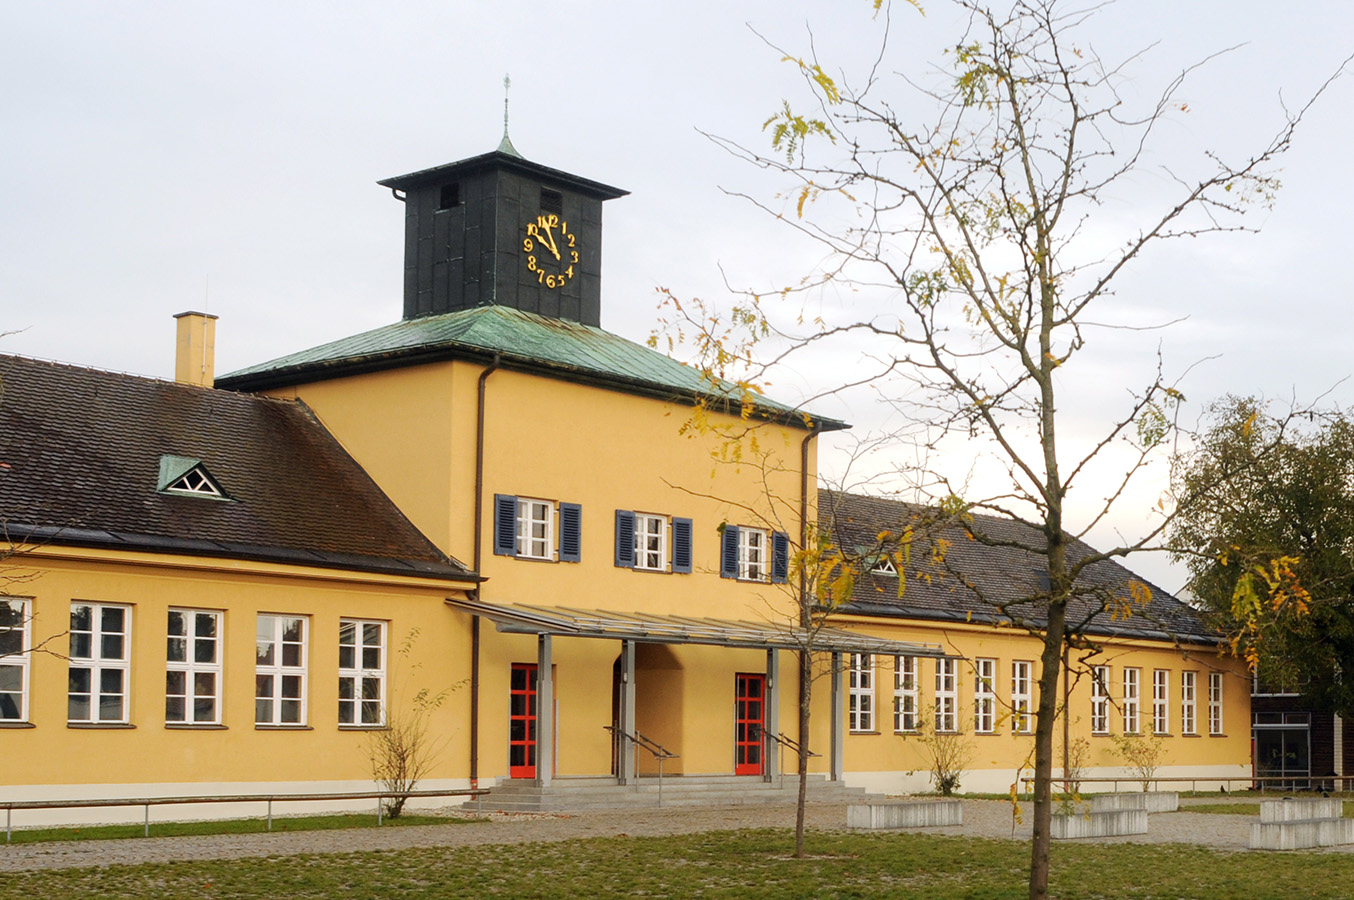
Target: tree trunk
x=1044 y=726
x=805 y=697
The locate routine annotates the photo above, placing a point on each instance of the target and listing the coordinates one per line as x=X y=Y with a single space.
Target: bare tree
x=971 y=229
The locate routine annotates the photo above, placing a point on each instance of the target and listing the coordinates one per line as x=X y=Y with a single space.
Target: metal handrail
x=786 y=742
x=1292 y=782
x=10 y=805
x=660 y=752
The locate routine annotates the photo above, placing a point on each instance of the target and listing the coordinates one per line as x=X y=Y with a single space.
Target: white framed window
x=1189 y=697
x=860 y=714
x=1022 y=677
x=651 y=542
x=1215 y=703
x=535 y=529
x=1132 y=687
x=1161 y=701
x=947 y=694
x=16 y=639
x=280 y=670
x=984 y=696
x=1100 y=700
x=529 y=528
x=884 y=566
x=100 y=639
x=362 y=672
x=905 y=693
x=753 y=547
x=193 y=667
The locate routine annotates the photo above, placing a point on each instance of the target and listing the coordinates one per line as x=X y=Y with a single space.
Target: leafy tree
x=1270 y=545
x=970 y=230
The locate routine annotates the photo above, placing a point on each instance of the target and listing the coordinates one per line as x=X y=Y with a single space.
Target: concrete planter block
x=906 y=814
x=1153 y=802
x=1105 y=823
x=1298 y=810
x=1301 y=834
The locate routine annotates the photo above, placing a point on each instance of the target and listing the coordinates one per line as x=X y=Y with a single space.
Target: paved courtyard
x=982 y=818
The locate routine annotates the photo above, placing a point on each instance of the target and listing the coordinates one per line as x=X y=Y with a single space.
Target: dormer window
x=184 y=475
x=884 y=566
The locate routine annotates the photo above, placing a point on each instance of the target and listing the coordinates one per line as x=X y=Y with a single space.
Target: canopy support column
x=838 y=716
x=771 y=718
x=545 y=712
x=625 y=714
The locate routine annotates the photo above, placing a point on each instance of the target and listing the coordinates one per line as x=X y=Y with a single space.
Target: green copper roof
x=522 y=340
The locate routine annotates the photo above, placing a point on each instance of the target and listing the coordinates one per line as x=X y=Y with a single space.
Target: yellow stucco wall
x=150 y=753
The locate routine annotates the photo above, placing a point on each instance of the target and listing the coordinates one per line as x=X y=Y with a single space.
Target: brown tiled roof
x=991 y=578
x=80 y=453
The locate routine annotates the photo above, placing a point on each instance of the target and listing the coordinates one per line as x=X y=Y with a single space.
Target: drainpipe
x=479 y=548
x=804 y=509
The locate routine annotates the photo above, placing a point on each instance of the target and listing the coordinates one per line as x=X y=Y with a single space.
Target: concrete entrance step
x=570 y=794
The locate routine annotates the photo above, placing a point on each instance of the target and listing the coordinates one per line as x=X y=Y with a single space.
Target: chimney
x=195 y=349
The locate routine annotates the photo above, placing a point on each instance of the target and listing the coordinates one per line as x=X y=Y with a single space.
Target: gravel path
x=982 y=818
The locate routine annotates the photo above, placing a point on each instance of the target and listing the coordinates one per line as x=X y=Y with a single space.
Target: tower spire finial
x=505 y=145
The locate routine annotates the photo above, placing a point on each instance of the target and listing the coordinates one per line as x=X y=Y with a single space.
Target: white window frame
x=1132 y=697
x=905 y=681
x=884 y=566
x=1189 y=699
x=535 y=530
x=199 y=694
x=860 y=711
x=1215 y=703
x=16 y=660
x=1022 y=696
x=754 y=554
x=274 y=665
x=651 y=542
x=362 y=673
x=1100 y=700
x=947 y=695
x=1161 y=701
x=984 y=696
x=105 y=655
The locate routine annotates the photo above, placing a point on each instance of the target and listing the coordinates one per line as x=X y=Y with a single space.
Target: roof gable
x=88 y=456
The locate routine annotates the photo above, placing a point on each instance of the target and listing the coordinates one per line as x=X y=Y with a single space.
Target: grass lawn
x=223 y=826
x=744 y=864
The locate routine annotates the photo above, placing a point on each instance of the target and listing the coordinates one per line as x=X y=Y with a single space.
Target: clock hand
x=551 y=238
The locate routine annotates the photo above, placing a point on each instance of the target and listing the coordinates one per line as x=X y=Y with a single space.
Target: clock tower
x=499 y=230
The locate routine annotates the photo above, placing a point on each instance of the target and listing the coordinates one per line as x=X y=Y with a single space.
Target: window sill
x=194 y=726
x=100 y=726
x=17 y=725
x=264 y=727
x=364 y=728
x=855 y=731
x=1219 y=734
x=1191 y=734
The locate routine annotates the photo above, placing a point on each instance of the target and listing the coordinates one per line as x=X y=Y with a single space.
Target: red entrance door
x=522 y=721
x=750 y=693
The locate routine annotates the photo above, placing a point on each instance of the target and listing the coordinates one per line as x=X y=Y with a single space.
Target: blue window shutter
x=728 y=552
x=570 y=532
x=681 y=545
x=505 y=525
x=625 y=539
x=780 y=557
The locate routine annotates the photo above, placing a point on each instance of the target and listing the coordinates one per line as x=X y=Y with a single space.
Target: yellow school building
x=495 y=515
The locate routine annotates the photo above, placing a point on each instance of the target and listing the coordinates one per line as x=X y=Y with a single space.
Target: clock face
x=551 y=250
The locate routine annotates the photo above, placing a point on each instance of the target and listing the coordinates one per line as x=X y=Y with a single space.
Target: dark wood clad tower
x=500 y=230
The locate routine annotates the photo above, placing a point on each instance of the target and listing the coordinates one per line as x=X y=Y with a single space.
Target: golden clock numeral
x=573 y=253
x=571 y=239
x=550 y=281
x=528 y=246
x=540 y=276
x=531 y=263
x=570 y=271
x=531 y=229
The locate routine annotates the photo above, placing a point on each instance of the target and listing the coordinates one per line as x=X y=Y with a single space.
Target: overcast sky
x=159 y=157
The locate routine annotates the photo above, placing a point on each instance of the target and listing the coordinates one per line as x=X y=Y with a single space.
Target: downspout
x=804 y=504
x=1067 y=716
x=479 y=548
